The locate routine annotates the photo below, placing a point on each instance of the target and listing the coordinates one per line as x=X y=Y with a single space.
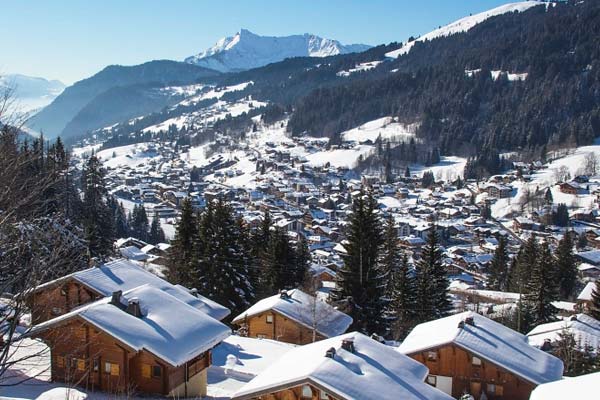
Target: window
x=56 y=310
x=80 y=364
x=496 y=390
x=156 y=371
x=96 y=365
x=432 y=380
x=269 y=318
x=146 y=371
x=306 y=392
x=432 y=356
x=476 y=361
x=323 y=395
x=111 y=368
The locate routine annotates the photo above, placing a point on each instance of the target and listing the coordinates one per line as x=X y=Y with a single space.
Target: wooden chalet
x=62 y=295
x=347 y=367
x=293 y=317
x=142 y=341
x=469 y=353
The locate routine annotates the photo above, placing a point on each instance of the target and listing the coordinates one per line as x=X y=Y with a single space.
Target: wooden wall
x=457 y=363
x=295 y=393
x=86 y=357
x=58 y=299
x=282 y=329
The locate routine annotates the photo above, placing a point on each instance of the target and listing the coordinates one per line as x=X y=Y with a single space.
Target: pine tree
x=541 y=288
x=389 y=267
x=97 y=217
x=526 y=258
x=139 y=223
x=548 y=197
x=277 y=262
x=403 y=299
x=182 y=257
x=223 y=272
x=594 y=309
x=432 y=285
x=359 y=291
x=566 y=266
x=498 y=277
x=302 y=261
x=120 y=218
x=156 y=234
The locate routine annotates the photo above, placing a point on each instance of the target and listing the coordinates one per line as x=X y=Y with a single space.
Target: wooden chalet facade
x=468 y=353
x=144 y=341
x=292 y=317
x=86 y=356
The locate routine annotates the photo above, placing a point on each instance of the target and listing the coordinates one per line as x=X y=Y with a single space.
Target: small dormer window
x=476 y=361
x=269 y=318
x=432 y=356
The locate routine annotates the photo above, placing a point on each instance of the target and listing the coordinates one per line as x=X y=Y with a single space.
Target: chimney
x=133 y=307
x=348 y=344
x=330 y=353
x=470 y=321
x=547 y=346
x=116 y=298
x=284 y=294
x=461 y=324
x=573 y=318
x=194 y=292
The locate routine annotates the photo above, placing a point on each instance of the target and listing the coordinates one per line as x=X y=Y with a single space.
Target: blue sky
x=71 y=39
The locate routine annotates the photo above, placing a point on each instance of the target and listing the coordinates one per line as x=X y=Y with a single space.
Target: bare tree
x=35 y=245
x=562 y=174
x=591 y=164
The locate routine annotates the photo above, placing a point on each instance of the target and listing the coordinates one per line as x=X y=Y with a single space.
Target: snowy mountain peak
x=247 y=50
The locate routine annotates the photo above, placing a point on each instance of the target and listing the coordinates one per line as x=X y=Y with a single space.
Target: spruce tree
x=389 y=267
x=594 y=309
x=403 y=299
x=182 y=256
x=97 y=217
x=223 y=261
x=526 y=259
x=302 y=261
x=278 y=269
x=156 y=235
x=360 y=291
x=432 y=285
x=139 y=223
x=498 y=276
x=541 y=288
x=566 y=266
x=548 y=196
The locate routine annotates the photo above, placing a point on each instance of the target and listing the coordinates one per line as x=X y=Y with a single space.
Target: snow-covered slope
x=247 y=50
x=464 y=24
x=31 y=93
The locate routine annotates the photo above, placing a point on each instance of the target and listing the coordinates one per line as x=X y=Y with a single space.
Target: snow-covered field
x=386 y=127
x=359 y=68
x=130 y=155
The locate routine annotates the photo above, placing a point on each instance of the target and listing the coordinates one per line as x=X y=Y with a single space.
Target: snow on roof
x=298 y=306
x=586 y=293
x=125 y=275
x=592 y=256
x=133 y=253
x=585 y=329
x=248 y=355
x=373 y=368
x=168 y=328
x=580 y=387
x=489 y=340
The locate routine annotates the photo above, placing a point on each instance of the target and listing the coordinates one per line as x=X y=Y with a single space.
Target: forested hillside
x=553 y=98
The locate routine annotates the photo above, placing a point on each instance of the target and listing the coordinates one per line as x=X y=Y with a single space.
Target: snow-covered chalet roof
x=586 y=293
x=585 y=329
x=488 y=340
x=580 y=387
x=373 y=370
x=168 y=328
x=298 y=306
x=125 y=275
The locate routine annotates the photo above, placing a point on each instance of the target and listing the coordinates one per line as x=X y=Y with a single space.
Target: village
x=121 y=327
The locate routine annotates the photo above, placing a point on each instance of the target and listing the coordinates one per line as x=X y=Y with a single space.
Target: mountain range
x=32 y=93
x=246 y=50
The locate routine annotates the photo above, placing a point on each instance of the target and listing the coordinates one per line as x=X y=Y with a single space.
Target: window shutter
x=114 y=369
x=145 y=371
x=80 y=365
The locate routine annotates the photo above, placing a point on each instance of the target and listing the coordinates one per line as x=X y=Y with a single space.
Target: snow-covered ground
x=359 y=68
x=384 y=127
x=574 y=163
x=130 y=155
x=464 y=24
